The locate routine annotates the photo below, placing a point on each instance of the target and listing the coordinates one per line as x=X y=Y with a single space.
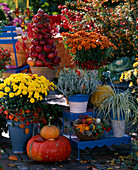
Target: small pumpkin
x=52 y=150
x=101 y=93
x=49 y=131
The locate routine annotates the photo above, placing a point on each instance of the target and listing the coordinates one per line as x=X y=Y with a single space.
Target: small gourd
x=49 y=131
x=101 y=93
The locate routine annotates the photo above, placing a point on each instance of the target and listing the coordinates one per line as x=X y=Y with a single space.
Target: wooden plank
x=8 y=41
x=9 y=28
x=8 y=34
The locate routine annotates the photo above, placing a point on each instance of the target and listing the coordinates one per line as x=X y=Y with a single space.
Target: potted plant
x=4 y=59
x=21 y=96
x=77 y=85
x=89 y=50
x=121 y=107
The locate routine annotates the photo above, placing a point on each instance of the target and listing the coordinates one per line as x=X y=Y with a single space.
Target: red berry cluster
x=22 y=115
x=4 y=57
x=43 y=49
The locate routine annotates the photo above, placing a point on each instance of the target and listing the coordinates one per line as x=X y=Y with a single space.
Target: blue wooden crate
x=8 y=35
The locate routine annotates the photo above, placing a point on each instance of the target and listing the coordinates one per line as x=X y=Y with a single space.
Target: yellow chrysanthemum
x=24 y=92
x=1 y=86
x=32 y=100
x=15 y=87
x=7 y=89
x=36 y=95
x=11 y=94
x=1 y=94
x=41 y=98
x=30 y=94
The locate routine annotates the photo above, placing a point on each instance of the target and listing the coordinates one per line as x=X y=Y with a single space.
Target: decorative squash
x=52 y=150
x=49 y=131
x=101 y=93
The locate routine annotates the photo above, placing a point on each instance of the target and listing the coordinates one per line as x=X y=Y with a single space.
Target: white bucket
x=78 y=107
x=118 y=128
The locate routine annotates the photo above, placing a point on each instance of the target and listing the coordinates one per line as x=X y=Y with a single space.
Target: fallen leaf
x=109 y=168
x=61 y=166
x=112 y=161
x=120 y=157
x=11 y=165
x=118 y=167
x=27 y=131
x=94 y=168
x=13 y=158
x=93 y=160
x=107 y=161
x=112 y=164
x=115 y=153
x=129 y=156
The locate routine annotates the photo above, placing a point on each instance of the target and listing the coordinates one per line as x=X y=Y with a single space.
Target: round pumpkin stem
x=49 y=121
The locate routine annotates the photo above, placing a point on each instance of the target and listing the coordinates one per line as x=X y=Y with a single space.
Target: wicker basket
x=86 y=137
x=45 y=71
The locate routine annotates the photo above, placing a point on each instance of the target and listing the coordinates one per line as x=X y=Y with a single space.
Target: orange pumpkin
x=49 y=132
x=101 y=93
x=55 y=150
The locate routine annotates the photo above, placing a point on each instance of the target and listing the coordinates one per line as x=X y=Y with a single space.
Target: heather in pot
x=72 y=81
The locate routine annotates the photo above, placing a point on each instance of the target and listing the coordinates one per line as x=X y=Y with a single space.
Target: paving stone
x=4 y=155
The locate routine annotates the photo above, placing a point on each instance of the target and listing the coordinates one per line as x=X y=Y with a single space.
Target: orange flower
x=73 y=50
x=87 y=128
x=79 y=47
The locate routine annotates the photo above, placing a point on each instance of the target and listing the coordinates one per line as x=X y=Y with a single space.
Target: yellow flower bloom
x=32 y=100
x=1 y=86
x=24 y=92
x=30 y=94
x=11 y=94
x=36 y=95
x=131 y=84
x=7 y=89
x=1 y=94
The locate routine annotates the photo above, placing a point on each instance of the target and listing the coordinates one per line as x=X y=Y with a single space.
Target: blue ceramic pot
x=78 y=103
x=18 y=136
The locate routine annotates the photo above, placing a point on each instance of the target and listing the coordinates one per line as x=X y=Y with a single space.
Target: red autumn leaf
x=13 y=158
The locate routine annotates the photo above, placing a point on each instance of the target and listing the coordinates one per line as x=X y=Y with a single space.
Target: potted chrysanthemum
x=20 y=99
x=89 y=50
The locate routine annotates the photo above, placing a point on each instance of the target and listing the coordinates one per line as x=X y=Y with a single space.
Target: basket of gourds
x=88 y=128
